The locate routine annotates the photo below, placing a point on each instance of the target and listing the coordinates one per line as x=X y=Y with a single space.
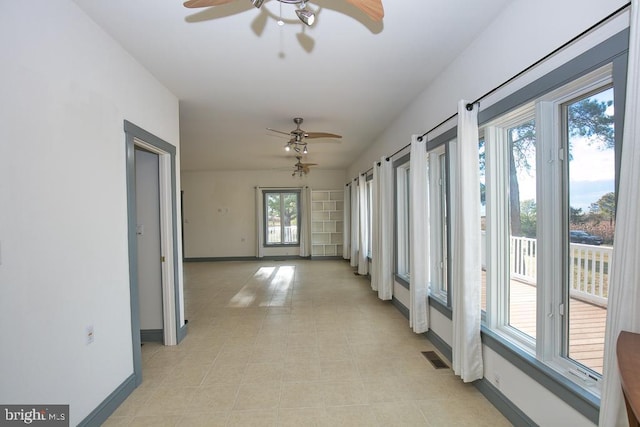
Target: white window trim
x=497 y=234
x=551 y=174
x=438 y=243
x=553 y=220
x=402 y=226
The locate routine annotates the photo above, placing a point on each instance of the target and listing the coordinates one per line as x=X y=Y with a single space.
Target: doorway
x=173 y=325
x=149 y=250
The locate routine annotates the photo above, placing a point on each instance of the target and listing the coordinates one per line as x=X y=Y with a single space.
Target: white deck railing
x=290 y=234
x=589 y=272
x=588 y=267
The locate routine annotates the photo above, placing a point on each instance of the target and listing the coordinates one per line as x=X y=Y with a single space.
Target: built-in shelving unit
x=327 y=222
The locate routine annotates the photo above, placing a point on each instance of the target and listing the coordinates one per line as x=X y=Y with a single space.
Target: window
x=510 y=164
x=548 y=173
x=438 y=223
x=403 y=197
x=589 y=210
x=281 y=218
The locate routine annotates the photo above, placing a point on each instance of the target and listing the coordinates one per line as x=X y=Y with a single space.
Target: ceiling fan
x=298 y=141
x=302 y=168
x=372 y=8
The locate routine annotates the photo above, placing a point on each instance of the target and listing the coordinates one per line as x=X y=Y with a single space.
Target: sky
x=591 y=176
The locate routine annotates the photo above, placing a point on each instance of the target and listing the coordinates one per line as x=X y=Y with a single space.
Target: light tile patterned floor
x=295 y=343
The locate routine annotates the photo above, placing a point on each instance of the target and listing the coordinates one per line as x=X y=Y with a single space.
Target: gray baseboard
x=152 y=335
x=504 y=405
x=493 y=395
x=400 y=306
x=182 y=332
x=215 y=259
x=248 y=258
x=110 y=404
x=439 y=344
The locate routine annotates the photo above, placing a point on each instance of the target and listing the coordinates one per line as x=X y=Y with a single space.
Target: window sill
x=572 y=394
x=402 y=280
x=440 y=306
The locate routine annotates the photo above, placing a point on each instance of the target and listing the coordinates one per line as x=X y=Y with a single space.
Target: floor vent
x=435 y=360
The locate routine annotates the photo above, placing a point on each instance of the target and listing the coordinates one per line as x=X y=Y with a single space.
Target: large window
x=403 y=197
x=548 y=174
x=510 y=219
x=438 y=224
x=281 y=210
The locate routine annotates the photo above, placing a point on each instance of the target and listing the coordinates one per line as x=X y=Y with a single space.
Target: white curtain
x=382 y=229
x=304 y=230
x=419 y=232
x=385 y=230
x=375 y=227
x=259 y=224
x=363 y=243
x=346 y=229
x=355 y=221
x=465 y=275
x=623 y=311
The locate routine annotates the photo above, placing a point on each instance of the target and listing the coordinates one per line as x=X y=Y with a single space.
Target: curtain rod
x=538 y=62
x=470 y=105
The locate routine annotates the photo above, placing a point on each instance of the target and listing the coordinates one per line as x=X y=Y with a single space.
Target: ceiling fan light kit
x=298 y=144
x=306 y=16
x=372 y=8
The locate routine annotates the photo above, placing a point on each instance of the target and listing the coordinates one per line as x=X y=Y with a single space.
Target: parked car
x=580 y=236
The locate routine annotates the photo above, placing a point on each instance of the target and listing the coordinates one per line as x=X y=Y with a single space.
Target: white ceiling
x=236 y=72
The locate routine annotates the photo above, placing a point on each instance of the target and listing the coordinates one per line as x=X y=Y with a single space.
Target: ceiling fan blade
x=373 y=8
x=321 y=135
x=279 y=131
x=205 y=3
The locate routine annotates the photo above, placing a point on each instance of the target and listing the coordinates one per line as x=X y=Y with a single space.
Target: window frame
x=439 y=255
x=497 y=236
x=613 y=50
x=265 y=217
x=401 y=226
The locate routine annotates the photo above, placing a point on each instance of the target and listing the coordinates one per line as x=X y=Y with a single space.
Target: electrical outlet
x=496 y=380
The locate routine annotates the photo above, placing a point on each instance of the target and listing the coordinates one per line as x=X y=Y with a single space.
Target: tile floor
x=295 y=343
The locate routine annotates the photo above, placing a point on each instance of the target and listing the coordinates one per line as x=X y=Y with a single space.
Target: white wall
x=66 y=89
x=525 y=32
x=220 y=211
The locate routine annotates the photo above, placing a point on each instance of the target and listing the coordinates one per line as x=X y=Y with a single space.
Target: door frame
x=174 y=330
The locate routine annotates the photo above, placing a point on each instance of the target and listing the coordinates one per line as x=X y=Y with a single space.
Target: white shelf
x=327 y=217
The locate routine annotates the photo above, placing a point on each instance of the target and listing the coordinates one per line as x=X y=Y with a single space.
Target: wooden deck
x=586 y=323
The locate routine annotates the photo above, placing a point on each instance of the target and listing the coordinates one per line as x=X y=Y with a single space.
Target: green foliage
x=588 y=118
x=289 y=207
x=576 y=216
x=528 y=225
x=605 y=207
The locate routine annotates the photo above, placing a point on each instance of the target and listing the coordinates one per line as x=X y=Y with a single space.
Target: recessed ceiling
x=237 y=72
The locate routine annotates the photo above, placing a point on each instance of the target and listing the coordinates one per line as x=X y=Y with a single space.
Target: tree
x=605 y=207
x=528 y=218
x=289 y=207
x=522 y=145
x=576 y=216
x=586 y=118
